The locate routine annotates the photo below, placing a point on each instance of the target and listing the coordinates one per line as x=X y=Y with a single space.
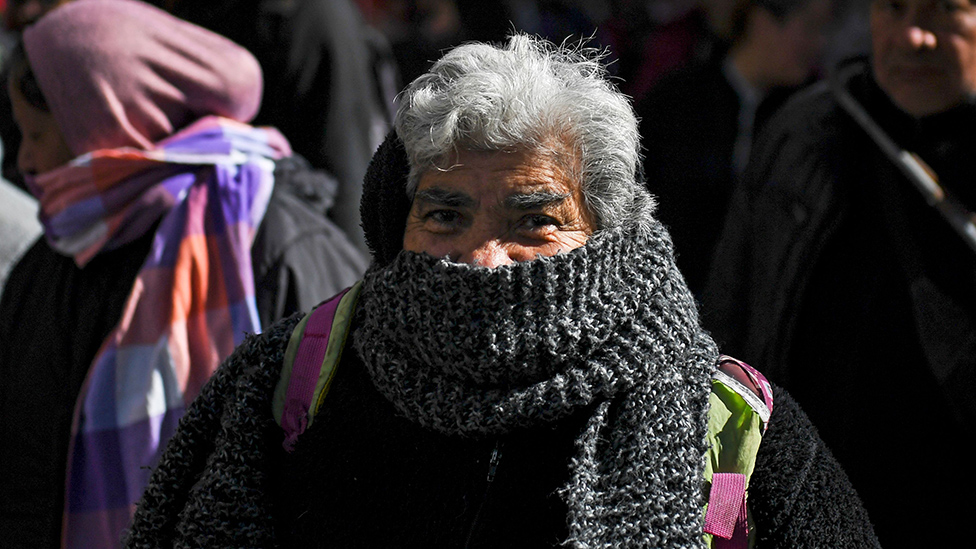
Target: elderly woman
x=522 y=365
x=172 y=228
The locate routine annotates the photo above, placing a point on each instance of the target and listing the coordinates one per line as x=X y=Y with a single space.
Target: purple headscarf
x=122 y=73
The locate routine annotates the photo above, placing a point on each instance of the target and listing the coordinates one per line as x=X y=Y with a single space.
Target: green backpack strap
x=313 y=352
x=740 y=404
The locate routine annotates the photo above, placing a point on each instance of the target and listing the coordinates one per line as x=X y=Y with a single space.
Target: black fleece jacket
x=362 y=476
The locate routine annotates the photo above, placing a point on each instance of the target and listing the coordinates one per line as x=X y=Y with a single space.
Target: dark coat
x=689 y=123
x=812 y=281
x=362 y=476
x=55 y=316
x=434 y=490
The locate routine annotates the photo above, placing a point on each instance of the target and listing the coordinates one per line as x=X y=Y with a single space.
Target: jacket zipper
x=493 y=461
x=496 y=456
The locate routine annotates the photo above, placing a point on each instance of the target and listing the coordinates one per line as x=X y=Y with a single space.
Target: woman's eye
x=539 y=223
x=444 y=219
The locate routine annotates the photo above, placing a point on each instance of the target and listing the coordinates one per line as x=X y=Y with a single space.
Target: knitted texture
x=471 y=351
x=474 y=351
x=210 y=488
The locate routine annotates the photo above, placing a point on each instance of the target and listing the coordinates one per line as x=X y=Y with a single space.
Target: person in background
x=836 y=273
x=698 y=123
x=649 y=39
x=419 y=30
x=330 y=82
x=172 y=228
x=554 y=20
x=16 y=16
x=522 y=365
x=20 y=13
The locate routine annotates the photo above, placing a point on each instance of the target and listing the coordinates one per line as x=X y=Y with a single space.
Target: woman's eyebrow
x=444 y=197
x=534 y=200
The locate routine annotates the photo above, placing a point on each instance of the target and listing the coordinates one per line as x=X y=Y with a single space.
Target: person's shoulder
x=297 y=182
x=297 y=215
x=807 y=117
x=799 y=494
x=800 y=150
x=276 y=335
x=813 y=115
x=264 y=350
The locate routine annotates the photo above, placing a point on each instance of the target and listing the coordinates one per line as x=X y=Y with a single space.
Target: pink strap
x=761 y=382
x=757 y=378
x=726 y=518
x=306 y=368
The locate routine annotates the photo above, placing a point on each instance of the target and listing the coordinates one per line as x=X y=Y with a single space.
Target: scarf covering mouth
x=473 y=351
x=191 y=303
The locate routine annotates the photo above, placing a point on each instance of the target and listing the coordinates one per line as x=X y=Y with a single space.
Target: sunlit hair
x=529 y=94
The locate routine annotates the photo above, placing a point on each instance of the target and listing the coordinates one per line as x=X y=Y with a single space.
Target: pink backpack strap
x=749 y=383
x=310 y=362
x=727 y=516
x=738 y=435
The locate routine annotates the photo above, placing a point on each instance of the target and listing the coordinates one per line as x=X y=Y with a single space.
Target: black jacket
x=813 y=278
x=55 y=316
x=689 y=124
x=362 y=476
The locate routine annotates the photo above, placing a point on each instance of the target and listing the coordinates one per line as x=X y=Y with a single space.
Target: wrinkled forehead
x=554 y=153
x=530 y=168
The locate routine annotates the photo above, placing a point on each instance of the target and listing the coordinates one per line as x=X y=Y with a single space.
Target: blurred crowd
x=313 y=90
x=785 y=142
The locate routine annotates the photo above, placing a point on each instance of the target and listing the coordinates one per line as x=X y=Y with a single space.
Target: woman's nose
x=487 y=252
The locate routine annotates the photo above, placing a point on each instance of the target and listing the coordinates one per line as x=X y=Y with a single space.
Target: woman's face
x=495 y=208
x=42 y=147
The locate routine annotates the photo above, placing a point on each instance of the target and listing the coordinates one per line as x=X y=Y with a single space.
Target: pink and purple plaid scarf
x=191 y=303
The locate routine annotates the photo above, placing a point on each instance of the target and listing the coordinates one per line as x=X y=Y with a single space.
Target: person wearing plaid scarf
x=171 y=229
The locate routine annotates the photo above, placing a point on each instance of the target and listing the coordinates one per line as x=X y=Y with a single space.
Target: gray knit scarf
x=474 y=351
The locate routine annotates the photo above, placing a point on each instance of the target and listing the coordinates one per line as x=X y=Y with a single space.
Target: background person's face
x=42 y=146
x=924 y=52
x=495 y=208
x=797 y=43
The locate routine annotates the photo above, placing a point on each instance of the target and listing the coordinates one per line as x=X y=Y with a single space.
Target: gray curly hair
x=529 y=94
